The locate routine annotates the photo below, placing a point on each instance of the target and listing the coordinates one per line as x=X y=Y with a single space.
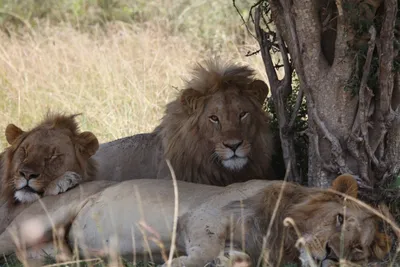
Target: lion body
x=215 y=132
x=137 y=216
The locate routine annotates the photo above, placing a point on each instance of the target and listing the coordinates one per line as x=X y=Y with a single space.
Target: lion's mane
x=179 y=130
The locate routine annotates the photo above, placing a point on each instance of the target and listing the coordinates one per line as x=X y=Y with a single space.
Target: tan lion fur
x=50 y=151
x=314 y=212
x=211 y=220
x=197 y=147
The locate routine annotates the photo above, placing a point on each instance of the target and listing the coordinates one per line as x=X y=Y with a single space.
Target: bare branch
x=386 y=56
x=286 y=23
x=287 y=80
x=280 y=90
x=342 y=35
x=296 y=109
x=243 y=20
x=264 y=47
x=365 y=96
x=336 y=148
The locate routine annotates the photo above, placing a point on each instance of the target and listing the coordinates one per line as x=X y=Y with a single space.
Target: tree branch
x=296 y=109
x=336 y=148
x=287 y=67
x=264 y=47
x=360 y=124
x=280 y=90
x=342 y=36
x=383 y=112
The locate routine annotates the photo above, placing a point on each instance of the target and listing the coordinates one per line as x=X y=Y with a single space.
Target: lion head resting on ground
x=330 y=226
x=216 y=131
x=47 y=160
x=211 y=220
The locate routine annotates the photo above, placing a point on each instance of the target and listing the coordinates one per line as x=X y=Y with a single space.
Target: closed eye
x=54 y=156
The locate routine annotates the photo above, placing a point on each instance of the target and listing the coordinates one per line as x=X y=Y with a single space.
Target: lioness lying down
x=136 y=216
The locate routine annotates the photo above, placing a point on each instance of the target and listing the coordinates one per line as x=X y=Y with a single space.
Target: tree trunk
x=343 y=53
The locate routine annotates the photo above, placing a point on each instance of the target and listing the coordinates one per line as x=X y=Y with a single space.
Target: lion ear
x=259 y=89
x=87 y=144
x=12 y=133
x=191 y=99
x=382 y=245
x=347 y=184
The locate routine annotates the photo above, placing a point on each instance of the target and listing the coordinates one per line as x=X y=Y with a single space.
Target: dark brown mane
x=179 y=128
x=214 y=75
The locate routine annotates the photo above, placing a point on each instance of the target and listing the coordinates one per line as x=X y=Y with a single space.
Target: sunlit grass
x=119 y=75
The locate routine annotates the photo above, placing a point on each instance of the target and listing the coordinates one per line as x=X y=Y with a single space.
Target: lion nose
x=28 y=174
x=233 y=144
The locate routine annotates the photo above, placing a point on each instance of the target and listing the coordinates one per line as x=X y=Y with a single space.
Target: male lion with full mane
x=47 y=160
x=215 y=132
x=211 y=220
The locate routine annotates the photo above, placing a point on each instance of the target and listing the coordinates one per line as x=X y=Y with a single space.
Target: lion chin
x=235 y=163
x=26 y=195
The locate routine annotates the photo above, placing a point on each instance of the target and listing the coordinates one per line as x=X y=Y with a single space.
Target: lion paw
x=63 y=183
x=177 y=262
x=232 y=259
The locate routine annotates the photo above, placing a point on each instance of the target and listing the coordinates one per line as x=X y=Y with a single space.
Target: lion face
x=38 y=157
x=350 y=235
x=228 y=118
x=216 y=131
x=340 y=229
x=229 y=121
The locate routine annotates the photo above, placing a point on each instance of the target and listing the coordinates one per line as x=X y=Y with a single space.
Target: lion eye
x=339 y=219
x=53 y=156
x=358 y=249
x=214 y=119
x=243 y=115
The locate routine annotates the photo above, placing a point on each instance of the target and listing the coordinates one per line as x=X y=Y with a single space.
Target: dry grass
x=119 y=76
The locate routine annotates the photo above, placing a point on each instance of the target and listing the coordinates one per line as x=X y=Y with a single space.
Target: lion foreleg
x=63 y=183
x=231 y=258
x=203 y=242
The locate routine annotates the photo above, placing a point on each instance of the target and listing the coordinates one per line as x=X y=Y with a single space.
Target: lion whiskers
x=20 y=182
x=214 y=158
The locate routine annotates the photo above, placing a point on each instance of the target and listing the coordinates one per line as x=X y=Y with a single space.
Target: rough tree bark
x=350 y=131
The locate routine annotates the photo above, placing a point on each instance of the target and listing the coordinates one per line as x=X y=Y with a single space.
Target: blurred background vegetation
x=118 y=62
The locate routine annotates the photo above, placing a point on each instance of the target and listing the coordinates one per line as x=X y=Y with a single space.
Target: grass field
x=119 y=72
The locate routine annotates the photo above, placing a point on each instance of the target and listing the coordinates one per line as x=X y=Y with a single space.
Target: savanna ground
x=117 y=62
